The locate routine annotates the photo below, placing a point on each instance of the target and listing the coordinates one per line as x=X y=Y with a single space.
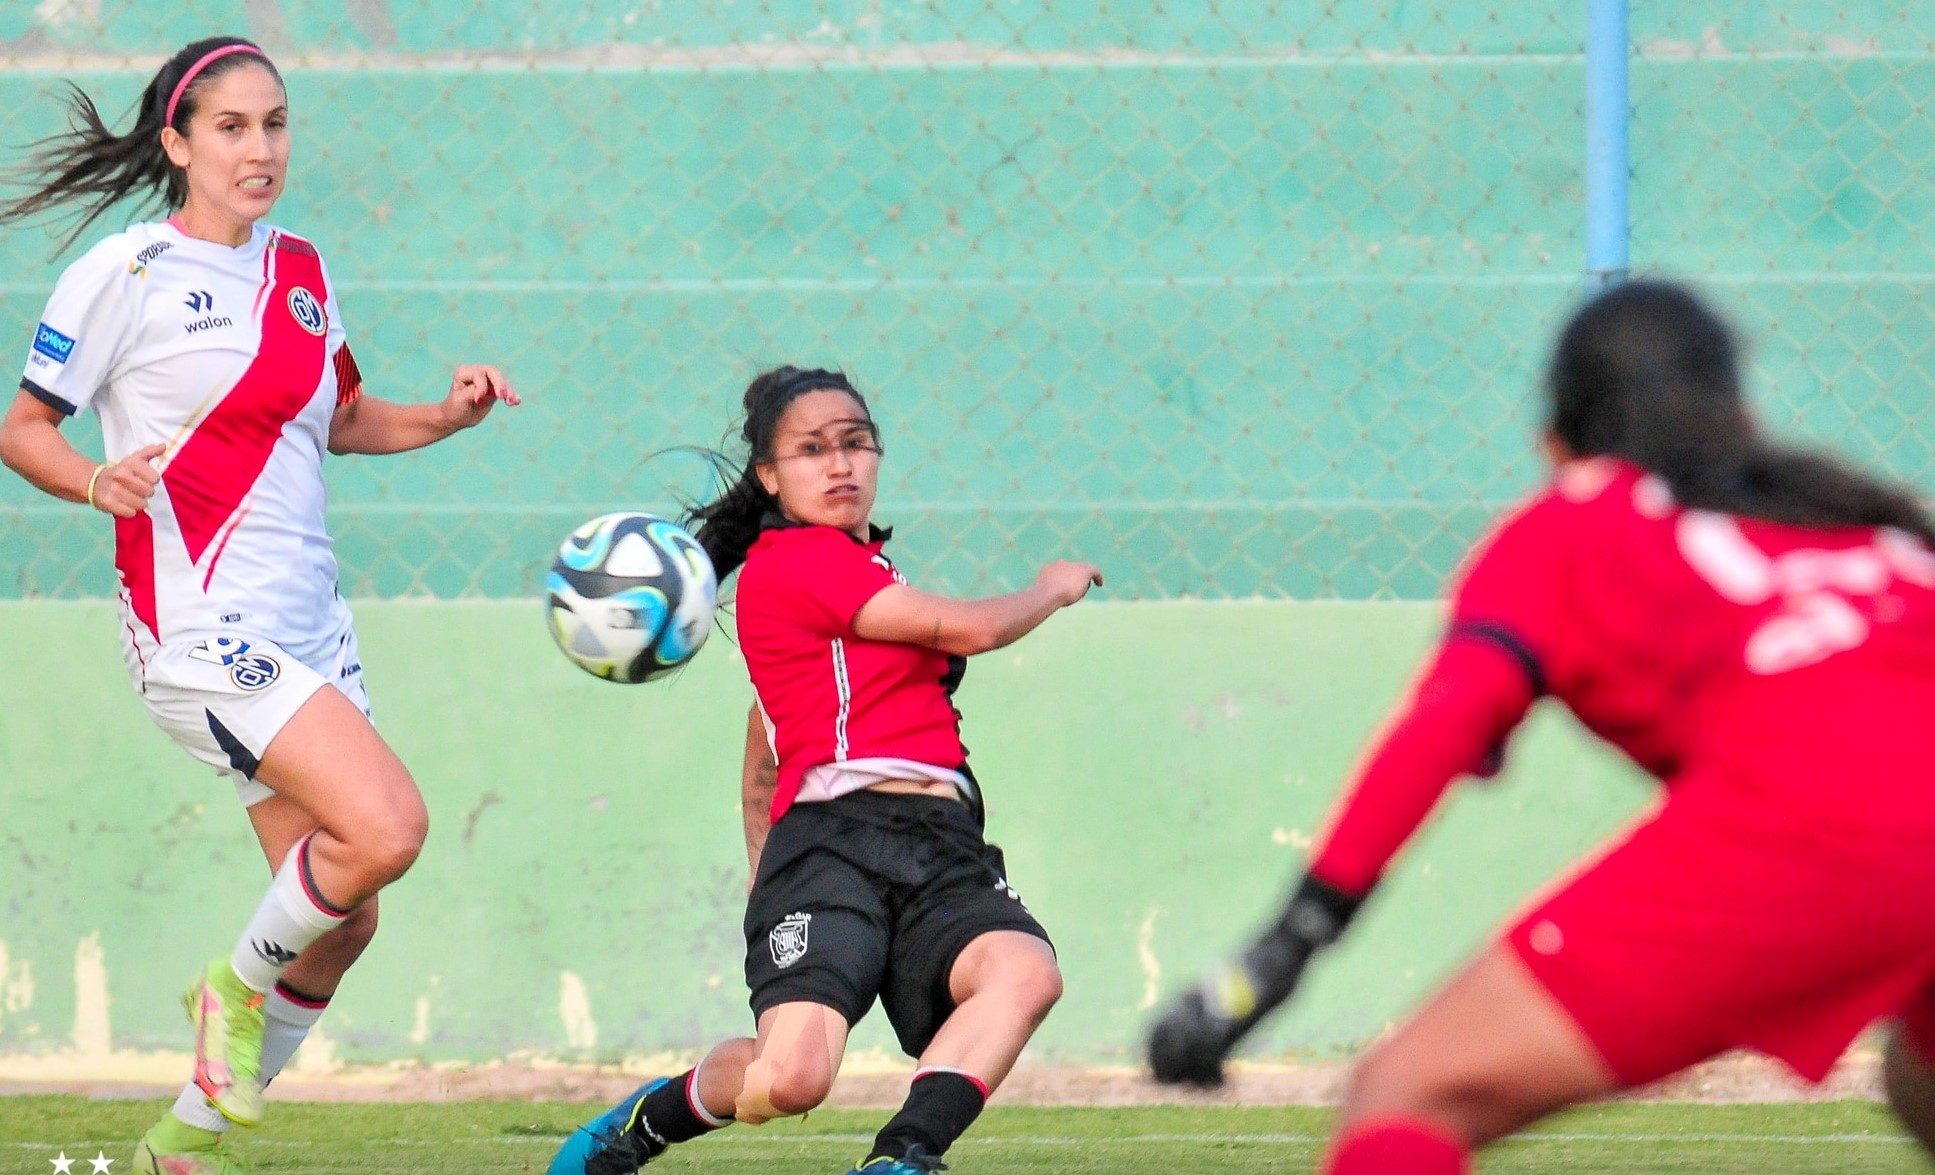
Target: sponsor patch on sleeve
x=51 y=346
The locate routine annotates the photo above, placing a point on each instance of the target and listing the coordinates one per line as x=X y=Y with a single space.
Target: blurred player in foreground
x=212 y=348
x=1755 y=626
x=870 y=876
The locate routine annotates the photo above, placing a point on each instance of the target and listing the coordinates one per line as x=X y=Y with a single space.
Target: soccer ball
x=630 y=597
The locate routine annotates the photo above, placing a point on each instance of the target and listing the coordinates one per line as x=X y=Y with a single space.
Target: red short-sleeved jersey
x=830 y=696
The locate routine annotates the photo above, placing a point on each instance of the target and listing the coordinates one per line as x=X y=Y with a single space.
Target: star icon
x=62 y=1164
x=100 y=1162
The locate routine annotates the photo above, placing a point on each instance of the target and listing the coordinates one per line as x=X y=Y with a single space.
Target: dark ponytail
x=93 y=166
x=1647 y=373
x=728 y=525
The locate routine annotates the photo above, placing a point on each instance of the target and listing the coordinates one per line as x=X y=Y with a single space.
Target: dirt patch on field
x=1736 y=1078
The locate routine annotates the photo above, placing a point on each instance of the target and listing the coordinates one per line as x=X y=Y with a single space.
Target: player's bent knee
x=1025 y=976
x=1393 y=1080
x=797 y=1061
x=387 y=851
x=1375 y=1086
x=1038 y=987
x=779 y=1091
x=392 y=856
x=1472 y=1103
x=797 y=1089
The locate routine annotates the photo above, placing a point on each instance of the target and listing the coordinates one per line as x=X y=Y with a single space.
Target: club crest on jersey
x=788 y=939
x=308 y=311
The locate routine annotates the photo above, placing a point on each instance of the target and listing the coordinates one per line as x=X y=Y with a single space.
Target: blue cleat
x=607 y=1145
x=917 y=1162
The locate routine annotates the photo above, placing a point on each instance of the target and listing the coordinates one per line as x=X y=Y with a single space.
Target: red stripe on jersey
x=268 y=281
x=223 y=546
x=134 y=558
x=349 y=377
x=215 y=469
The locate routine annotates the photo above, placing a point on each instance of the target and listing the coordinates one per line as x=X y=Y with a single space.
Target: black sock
x=668 y=1117
x=941 y=1104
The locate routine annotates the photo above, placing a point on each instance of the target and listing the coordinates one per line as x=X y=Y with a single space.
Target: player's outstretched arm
x=1196 y=1033
x=966 y=627
x=1458 y=714
x=368 y=425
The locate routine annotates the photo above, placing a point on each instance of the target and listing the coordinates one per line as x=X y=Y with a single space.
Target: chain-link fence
x=1785 y=154
x=1234 y=297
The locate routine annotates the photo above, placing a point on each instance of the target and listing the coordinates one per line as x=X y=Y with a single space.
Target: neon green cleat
x=227 y=1016
x=173 y=1147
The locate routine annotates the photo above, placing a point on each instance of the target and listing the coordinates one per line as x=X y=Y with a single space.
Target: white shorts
x=225 y=698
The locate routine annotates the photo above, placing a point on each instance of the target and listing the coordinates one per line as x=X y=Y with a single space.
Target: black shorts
x=874 y=895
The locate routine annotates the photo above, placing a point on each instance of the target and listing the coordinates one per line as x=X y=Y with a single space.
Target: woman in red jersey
x=1752 y=625
x=870 y=877
x=212 y=349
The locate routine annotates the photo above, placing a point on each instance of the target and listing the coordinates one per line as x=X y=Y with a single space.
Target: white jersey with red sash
x=234 y=358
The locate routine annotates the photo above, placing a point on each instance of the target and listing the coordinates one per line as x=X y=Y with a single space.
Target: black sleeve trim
x=1506 y=641
x=46 y=397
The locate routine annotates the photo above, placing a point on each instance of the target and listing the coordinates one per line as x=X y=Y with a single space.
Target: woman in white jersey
x=212 y=348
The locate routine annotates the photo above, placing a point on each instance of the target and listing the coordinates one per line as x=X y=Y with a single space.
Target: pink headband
x=213 y=56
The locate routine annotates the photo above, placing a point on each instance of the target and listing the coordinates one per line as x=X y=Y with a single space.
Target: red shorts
x=1724 y=922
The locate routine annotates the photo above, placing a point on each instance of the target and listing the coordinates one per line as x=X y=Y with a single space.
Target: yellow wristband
x=98 y=471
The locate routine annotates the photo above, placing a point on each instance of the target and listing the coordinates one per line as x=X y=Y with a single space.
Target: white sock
x=288 y=1020
x=292 y=915
x=193 y=1108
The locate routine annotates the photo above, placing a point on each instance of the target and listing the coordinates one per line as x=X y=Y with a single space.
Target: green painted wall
x=1152 y=772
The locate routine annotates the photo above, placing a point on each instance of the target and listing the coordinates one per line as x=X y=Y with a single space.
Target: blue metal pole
x=1607 y=163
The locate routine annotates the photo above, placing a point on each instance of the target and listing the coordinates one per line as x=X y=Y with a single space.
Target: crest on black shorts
x=788 y=939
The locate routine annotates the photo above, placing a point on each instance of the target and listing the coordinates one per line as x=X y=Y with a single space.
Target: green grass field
x=1844 y=1138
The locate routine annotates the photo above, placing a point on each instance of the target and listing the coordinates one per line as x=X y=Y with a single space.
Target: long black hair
x=728 y=525
x=97 y=168
x=1646 y=372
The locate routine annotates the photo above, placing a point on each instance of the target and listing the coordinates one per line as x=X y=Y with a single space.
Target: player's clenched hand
x=123 y=488
x=475 y=388
x=1196 y=1033
x=1068 y=581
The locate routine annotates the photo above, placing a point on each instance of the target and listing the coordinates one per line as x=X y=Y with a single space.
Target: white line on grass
x=1700 y=1137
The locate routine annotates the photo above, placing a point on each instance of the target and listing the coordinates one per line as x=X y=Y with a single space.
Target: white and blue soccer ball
x=630 y=597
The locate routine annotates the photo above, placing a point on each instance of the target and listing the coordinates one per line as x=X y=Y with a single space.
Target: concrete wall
x=1154 y=772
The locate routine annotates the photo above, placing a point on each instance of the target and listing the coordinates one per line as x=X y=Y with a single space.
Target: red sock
x=1396 y=1146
